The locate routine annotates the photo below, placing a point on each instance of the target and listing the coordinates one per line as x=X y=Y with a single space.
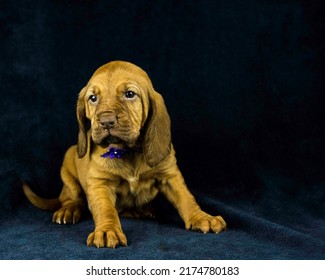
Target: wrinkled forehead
x=112 y=76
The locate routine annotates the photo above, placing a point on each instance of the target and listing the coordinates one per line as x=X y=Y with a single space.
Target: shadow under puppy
x=123 y=160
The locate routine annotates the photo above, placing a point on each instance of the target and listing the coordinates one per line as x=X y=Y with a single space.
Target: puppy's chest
x=133 y=183
x=135 y=191
x=137 y=182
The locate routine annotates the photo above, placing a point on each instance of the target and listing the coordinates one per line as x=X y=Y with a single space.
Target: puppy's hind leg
x=72 y=199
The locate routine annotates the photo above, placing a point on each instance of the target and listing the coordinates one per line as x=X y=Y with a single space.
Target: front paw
x=67 y=214
x=107 y=238
x=204 y=222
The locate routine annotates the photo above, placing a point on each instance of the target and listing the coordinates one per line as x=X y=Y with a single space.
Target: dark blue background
x=244 y=85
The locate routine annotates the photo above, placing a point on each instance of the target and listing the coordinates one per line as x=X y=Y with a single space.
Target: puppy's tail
x=42 y=203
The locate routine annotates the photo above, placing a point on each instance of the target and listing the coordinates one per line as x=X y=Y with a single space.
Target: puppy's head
x=122 y=108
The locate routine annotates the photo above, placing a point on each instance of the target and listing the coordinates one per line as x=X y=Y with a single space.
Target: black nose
x=107 y=120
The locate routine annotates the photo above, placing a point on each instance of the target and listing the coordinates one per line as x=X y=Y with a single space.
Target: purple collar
x=114 y=153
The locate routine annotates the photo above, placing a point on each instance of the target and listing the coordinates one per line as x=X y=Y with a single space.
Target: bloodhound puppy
x=123 y=159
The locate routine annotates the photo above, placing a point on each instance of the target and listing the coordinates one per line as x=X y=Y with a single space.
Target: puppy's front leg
x=108 y=231
x=194 y=218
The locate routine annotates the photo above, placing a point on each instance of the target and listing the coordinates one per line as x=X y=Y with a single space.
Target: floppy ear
x=82 y=121
x=157 y=138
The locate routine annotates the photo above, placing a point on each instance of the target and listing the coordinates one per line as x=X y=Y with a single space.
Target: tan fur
x=122 y=185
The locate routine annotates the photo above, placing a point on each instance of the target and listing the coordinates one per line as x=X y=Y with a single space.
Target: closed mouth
x=104 y=138
x=110 y=140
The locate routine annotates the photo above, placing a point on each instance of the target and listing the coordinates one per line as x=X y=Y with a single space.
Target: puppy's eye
x=93 y=98
x=129 y=94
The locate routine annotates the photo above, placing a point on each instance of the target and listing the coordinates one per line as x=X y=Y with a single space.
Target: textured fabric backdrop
x=244 y=85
